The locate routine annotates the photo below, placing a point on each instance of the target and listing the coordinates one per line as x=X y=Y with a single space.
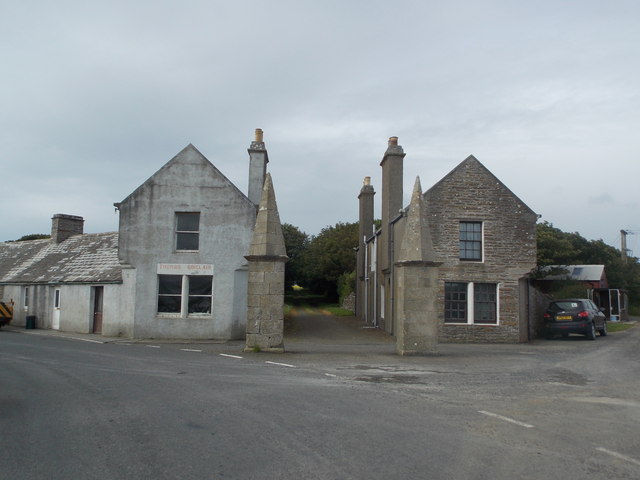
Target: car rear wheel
x=591 y=334
x=603 y=330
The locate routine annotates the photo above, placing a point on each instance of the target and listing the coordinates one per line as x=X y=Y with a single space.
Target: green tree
x=33 y=236
x=330 y=255
x=296 y=242
x=556 y=247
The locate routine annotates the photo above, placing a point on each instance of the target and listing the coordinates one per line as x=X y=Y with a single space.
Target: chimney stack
x=365 y=231
x=366 y=211
x=65 y=226
x=392 y=171
x=258 y=160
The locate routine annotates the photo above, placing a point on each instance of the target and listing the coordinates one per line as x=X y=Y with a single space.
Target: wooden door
x=97 y=309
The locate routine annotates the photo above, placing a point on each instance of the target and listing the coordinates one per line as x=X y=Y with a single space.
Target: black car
x=574 y=315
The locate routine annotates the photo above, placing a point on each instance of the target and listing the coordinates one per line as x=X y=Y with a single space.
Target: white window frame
x=188 y=232
x=472 y=260
x=184 y=298
x=471 y=305
x=26 y=298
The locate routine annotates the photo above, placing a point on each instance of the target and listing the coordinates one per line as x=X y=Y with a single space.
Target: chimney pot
x=259 y=135
x=367 y=180
x=393 y=141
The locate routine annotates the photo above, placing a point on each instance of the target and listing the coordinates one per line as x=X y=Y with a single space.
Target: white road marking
x=506 y=419
x=619 y=456
x=84 y=340
x=153 y=346
x=330 y=375
x=281 y=364
x=190 y=350
x=230 y=356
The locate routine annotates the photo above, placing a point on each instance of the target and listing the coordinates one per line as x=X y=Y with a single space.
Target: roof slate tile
x=87 y=258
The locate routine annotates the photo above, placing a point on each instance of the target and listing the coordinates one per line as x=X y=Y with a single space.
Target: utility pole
x=623 y=245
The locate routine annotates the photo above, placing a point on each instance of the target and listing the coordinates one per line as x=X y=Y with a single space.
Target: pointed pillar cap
x=268 y=240
x=416 y=244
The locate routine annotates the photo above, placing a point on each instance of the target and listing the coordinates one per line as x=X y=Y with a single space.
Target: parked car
x=574 y=315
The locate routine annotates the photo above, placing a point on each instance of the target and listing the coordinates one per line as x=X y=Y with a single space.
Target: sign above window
x=185 y=269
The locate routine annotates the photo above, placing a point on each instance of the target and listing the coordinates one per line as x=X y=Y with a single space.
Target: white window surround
x=186 y=272
x=471 y=307
x=482 y=243
x=25 y=299
x=187 y=232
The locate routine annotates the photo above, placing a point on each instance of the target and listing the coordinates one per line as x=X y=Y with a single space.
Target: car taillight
x=546 y=315
x=583 y=314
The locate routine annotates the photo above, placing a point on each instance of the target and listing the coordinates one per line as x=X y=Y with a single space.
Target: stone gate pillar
x=416 y=284
x=267 y=256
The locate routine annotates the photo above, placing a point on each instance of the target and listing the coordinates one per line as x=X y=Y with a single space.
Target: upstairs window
x=187 y=231
x=471 y=241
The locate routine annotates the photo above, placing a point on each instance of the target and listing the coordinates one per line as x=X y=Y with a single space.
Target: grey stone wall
x=265 y=316
x=349 y=302
x=538 y=303
x=472 y=193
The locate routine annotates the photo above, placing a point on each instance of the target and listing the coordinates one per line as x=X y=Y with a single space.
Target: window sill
x=472 y=324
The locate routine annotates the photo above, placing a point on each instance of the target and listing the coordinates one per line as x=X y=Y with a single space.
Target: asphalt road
x=330 y=409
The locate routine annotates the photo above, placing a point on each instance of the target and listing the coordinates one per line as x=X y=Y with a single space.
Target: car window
x=564 y=306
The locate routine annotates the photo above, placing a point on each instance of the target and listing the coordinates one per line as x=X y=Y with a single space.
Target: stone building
x=176 y=268
x=484 y=247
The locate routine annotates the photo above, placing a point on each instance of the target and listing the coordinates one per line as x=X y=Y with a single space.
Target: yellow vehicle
x=6 y=313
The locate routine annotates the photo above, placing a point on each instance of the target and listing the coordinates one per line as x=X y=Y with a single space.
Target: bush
x=346 y=285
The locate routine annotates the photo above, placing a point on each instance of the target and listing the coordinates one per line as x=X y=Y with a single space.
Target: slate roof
x=87 y=258
x=583 y=273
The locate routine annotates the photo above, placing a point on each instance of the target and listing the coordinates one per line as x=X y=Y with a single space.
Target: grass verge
x=613 y=327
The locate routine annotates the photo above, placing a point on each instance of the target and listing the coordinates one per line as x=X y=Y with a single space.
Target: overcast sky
x=97 y=96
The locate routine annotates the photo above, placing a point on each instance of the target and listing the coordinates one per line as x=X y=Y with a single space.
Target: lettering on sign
x=185 y=269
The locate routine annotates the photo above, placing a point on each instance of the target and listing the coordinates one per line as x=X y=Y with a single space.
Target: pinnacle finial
x=416 y=243
x=267 y=234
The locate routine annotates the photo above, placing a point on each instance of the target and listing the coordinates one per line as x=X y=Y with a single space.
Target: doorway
x=98 y=294
x=55 y=323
